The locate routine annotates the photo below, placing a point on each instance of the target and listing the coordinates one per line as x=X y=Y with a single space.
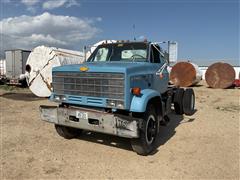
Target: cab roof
x=127 y=42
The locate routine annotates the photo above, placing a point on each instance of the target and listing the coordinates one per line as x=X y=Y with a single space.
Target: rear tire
x=178 y=101
x=189 y=102
x=67 y=132
x=146 y=142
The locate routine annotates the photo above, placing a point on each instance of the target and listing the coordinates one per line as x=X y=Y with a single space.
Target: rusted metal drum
x=220 y=75
x=185 y=74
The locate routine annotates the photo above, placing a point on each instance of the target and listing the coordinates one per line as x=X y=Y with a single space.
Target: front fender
x=139 y=103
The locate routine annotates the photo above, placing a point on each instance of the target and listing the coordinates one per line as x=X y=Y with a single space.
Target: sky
x=206 y=30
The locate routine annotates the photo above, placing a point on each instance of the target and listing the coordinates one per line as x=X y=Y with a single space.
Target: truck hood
x=119 y=67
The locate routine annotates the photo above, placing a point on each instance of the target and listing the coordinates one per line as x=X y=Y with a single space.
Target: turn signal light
x=161 y=76
x=136 y=91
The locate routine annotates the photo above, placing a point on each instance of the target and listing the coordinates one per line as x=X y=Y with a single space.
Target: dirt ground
x=204 y=146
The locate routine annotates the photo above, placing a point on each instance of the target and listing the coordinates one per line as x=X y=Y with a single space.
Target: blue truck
x=122 y=89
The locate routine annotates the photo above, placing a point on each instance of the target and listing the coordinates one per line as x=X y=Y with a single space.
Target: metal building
x=2 y=67
x=173 y=51
x=2 y=71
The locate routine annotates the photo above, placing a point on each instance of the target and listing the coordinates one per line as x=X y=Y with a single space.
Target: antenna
x=134 y=38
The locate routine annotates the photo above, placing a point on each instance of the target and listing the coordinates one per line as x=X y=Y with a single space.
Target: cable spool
x=40 y=63
x=220 y=75
x=185 y=74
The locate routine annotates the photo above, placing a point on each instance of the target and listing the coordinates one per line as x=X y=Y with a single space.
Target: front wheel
x=146 y=143
x=67 y=132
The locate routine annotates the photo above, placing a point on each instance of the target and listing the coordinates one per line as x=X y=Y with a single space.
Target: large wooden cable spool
x=40 y=63
x=185 y=74
x=220 y=75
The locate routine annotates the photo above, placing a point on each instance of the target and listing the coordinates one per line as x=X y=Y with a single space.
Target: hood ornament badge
x=84 y=68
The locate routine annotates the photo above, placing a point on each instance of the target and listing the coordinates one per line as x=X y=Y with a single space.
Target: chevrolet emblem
x=84 y=68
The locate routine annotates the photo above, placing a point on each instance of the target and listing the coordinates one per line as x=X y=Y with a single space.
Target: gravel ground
x=203 y=146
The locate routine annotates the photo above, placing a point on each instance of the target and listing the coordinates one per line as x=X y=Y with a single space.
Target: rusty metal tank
x=185 y=74
x=220 y=75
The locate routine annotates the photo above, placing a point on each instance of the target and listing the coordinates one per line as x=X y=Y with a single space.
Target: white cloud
x=33 y=5
x=52 y=4
x=72 y=3
x=29 y=2
x=40 y=38
x=141 y=37
x=99 y=19
x=28 y=32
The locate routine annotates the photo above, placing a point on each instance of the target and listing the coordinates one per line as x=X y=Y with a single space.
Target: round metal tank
x=40 y=63
x=220 y=75
x=185 y=74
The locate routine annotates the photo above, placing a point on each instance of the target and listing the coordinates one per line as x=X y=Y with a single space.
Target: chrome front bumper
x=92 y=120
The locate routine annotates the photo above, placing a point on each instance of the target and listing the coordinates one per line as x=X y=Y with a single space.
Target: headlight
x=115 y=103
x=56 y=98
x=120 y=105
x=63 y=98
x=111 y=103
x=60 y=98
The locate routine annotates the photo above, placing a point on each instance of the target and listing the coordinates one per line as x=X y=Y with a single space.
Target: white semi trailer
x=15 y=65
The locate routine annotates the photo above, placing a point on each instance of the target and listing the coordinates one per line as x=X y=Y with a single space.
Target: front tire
x=67 y=132
x=146 y=143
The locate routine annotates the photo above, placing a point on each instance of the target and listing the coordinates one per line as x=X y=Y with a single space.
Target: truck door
x=160 y=83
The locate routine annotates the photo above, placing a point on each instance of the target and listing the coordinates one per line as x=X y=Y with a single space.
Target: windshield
x=120 y=52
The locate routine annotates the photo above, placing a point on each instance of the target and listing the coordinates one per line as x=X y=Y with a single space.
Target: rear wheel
x=178 y=101
x=189 y=102
x=67 y=132
x=146 y=143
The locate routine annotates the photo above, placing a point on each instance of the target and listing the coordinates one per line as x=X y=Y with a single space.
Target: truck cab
x=122 y=89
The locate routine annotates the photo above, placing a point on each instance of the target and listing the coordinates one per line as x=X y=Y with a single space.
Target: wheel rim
x=150 y=129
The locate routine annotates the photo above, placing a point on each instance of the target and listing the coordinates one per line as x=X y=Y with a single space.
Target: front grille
x=103 y=85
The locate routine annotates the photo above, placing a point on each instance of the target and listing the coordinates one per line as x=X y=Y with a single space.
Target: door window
x=155 y=55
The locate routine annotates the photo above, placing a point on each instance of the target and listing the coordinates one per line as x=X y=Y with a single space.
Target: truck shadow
x=105 y=139
x=20 y=96
x=166 y=133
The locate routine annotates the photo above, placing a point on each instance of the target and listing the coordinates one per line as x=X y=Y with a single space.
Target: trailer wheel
x=178 y=101
x=146 y=143
x=67 y=132
x=189 y=102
